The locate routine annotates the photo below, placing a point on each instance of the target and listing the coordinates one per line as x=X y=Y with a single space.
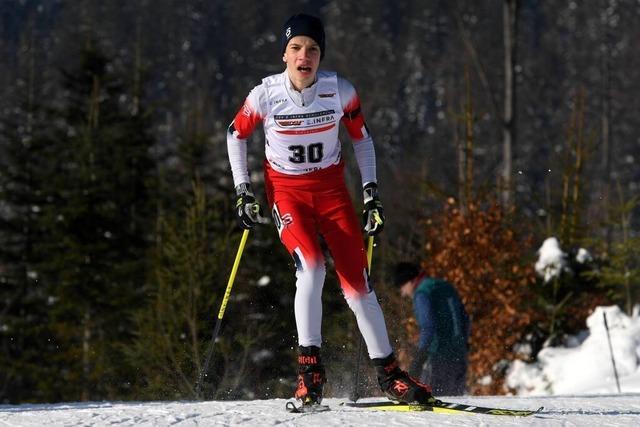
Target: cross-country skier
x=300 y=110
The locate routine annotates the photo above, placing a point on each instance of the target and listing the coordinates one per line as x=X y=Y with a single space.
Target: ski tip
x=291 y=407
x=305 y=408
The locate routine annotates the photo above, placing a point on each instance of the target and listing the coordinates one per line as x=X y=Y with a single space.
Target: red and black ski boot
x=398 y=386
x=311 y=376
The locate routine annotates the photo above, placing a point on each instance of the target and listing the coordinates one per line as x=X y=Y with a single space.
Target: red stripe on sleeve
x=353 y=119
x=245 y=121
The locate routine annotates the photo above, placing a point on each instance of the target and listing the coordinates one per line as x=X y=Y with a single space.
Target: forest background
x=497 y=124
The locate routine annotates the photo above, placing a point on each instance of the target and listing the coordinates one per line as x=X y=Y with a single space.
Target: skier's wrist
x=370 y=192
x=244 y=189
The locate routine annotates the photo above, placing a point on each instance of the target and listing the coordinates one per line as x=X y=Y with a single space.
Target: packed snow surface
x=602 y=410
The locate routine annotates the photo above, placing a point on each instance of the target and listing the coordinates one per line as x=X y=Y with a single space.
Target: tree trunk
x=605 y=120
x=509 y=9
x=468 y=140
x=86 y=356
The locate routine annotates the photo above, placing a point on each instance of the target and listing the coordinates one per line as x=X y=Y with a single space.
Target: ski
x=442 y=408
x=308 y=408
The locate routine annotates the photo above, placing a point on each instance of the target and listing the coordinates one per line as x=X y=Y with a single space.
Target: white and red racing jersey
x=301 y=128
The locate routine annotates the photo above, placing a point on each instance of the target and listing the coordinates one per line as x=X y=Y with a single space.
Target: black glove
x=373 y=214
x=247 y=209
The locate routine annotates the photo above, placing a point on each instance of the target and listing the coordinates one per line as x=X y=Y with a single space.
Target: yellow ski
x=441 y=408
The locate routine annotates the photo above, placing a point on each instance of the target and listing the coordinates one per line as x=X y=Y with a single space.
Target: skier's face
x=302 y=57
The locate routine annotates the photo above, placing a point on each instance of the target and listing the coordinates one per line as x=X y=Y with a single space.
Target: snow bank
x=585 y=365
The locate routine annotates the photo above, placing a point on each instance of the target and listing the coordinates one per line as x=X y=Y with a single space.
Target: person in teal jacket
x=440 y=358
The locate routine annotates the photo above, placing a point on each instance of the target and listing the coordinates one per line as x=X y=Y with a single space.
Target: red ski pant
x=318 y=203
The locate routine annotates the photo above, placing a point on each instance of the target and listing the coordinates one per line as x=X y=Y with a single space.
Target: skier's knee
x=356 y=286
x=311 y=275
x=358 y=301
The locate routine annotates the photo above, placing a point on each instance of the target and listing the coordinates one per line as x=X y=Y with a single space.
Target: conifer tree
x=188 y=257
x=23 y=300
x=79 y=208
x=100 y=225
x=619 y=272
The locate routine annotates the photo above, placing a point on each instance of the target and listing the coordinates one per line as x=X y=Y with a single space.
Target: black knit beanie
x=403 y=272
x=302 y=24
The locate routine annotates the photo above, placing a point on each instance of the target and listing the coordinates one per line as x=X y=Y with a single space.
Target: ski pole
x=355 y=395
x=223 y=307
x=370 y=252
x=613 y=360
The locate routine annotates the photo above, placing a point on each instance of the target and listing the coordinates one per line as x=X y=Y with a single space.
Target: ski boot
x=311 y=376
x=398 y=386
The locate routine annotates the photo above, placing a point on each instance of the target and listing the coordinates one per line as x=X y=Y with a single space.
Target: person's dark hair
x=302 y=24
x=403 y=272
